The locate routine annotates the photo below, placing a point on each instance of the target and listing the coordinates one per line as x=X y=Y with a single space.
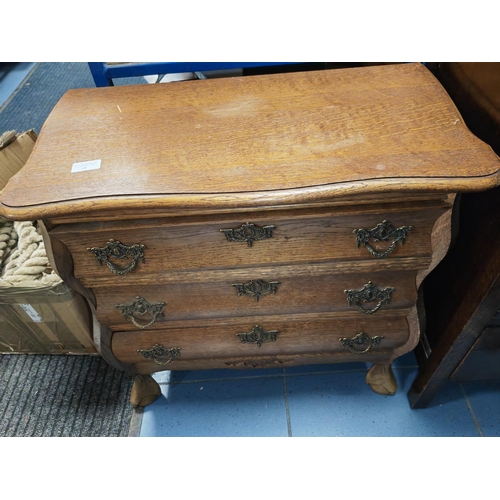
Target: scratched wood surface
x=219 y=299
x=298 y=237
x=316 y=335
x=222 y=140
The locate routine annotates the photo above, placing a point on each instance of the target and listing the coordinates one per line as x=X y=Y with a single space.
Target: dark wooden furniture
x=461 y=341
x=259 y=221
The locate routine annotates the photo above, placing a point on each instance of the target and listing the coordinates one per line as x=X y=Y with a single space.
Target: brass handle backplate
x=361 y=339
x=258 y=336
x=141 y=307
x=256 y=288
x=382 y=232
x=159 y=351
x=248 y=233
x=118 y=250
x=369 y=293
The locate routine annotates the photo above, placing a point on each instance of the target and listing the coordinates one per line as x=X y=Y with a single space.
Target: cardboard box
x=44 y=321
x=15 y=150
x=38 y=319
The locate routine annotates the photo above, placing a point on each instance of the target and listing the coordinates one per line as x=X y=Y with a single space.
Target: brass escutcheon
x=382 y=232
x=141 y=307
x=248 y=233
x=118 y=250
x=360 y=339
x=369 y=293
x=256 y=288
x=159 y=351
x=258 y=336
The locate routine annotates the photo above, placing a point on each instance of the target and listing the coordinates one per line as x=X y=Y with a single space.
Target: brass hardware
x=158 y=351
x=382 y=232
x=256 y=288
x=118 y=251
x=141 y=306
x=369 y=293
x=360 y=339
x=248 y=232
x=258 y=336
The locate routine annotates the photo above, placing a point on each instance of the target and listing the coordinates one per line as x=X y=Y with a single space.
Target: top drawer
x=307 y=236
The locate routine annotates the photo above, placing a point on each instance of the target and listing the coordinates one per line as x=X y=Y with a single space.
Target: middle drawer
x=253 y=293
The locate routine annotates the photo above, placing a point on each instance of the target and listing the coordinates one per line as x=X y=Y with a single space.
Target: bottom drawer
x=224 y=344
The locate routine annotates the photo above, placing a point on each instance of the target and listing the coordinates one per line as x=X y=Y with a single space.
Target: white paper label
x=82 y=166
x=30 y=311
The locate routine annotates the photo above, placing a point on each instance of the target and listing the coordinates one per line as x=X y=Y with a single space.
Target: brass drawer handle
x=258 y=336
x=118 y=251
x=159 y=351
x=248 y=233
x=256 y=288
x=361 y=339
x=369 y=293
x=141 y=306
x=382 y=232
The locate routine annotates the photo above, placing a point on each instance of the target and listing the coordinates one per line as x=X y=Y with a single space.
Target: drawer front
x=148 y=252
x=254 y=293
x=168 y=348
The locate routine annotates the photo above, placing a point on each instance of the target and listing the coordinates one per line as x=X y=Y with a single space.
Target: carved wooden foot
x=145 y=391
x=382 y=380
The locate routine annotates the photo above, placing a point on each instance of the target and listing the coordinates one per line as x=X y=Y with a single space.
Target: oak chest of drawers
x=248 y=222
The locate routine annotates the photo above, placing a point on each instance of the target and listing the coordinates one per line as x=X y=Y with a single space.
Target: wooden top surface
x=280 y=136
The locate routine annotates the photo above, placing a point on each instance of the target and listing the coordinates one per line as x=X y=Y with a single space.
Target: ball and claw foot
x=144 y=391
x=381 y=379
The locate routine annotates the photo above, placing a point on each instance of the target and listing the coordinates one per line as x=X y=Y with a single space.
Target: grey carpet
x=55 y=395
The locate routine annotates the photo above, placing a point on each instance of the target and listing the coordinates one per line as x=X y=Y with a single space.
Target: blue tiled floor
x=316 y=400
x=228 y=407
x=484 y=399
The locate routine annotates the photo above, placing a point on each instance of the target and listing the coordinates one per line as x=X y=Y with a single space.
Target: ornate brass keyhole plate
x=248 y=233
x=258 y=336
x=256 y=288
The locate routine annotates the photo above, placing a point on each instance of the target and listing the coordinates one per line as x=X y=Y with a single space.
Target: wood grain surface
x=239 y=140
x=317 y=335
x=310 y=237
x=264 y=361
x=219 y=299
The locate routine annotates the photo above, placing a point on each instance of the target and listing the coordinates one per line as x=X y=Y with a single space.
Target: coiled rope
x=8 y=240
x=28 y=263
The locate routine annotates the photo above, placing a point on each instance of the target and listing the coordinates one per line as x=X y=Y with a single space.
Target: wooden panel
x=295 y=239
x=470 y=274
x=260 y=361
x=481 y=363
x=316 y=335
x=189 y=141
x=350 y=201
x=219 y=299
x=457 y=319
